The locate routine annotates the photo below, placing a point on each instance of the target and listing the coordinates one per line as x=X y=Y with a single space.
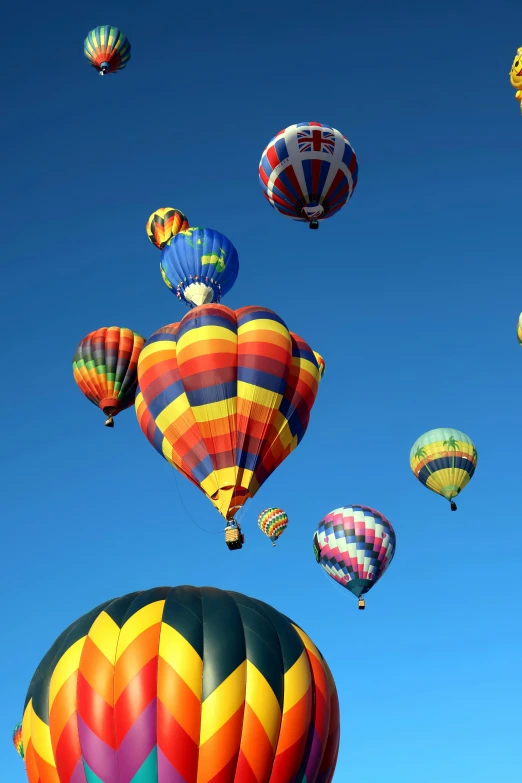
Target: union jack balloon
x=308 y=172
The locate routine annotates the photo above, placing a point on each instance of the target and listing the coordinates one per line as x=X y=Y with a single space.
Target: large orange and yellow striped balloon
x=225 y=396
x=182 y=685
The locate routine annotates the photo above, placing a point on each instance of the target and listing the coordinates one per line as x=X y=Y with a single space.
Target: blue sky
x=411 y=294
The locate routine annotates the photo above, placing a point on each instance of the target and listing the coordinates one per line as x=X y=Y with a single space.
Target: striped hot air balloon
x=225 y=396
x=182 y=684
x=17 y=739
x=444 y=460
x=104 y=368
x=107 y=49
x=308 y=172
x=273 y=523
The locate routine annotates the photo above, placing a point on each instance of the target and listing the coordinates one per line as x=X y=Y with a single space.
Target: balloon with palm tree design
x=444 y=460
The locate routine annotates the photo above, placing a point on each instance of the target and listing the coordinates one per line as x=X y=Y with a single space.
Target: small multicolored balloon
x=164 y=224
x=308 y=172
x=105 y=368
x=519 y=329
x=444 y=460
x=273 y=523
x=320 y=362
x=199 y=265
x=355 y=545
x=17 y=739
x=107 y=49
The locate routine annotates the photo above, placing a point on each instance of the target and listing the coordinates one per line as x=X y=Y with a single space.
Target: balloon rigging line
x=209 y=532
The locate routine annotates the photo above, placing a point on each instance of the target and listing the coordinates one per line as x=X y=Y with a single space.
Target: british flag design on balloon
x=308 y=171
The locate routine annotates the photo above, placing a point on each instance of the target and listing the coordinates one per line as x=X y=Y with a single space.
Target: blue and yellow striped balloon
x=273 y=523
x=444 y=460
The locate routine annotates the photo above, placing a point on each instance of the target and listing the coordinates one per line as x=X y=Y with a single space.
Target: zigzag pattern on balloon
x=182 y=685
x=225 y=396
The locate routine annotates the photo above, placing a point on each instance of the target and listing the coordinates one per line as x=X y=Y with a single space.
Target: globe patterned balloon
x=355 y=545
x=273 y=522
x=182 y=685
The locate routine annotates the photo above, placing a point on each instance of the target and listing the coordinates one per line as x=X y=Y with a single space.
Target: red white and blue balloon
x=308 y=172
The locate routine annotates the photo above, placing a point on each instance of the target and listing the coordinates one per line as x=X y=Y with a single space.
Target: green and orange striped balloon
x=182 y=685
x=105 y=368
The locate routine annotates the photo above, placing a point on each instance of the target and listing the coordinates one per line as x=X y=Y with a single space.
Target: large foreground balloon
x=515 y=76
x=107 y=49
x=104 y=367
x=199 y=265
x=17 y=739
x=225 y=396
x=355 y=545
x=444 y=460
x=164 y=224
x=182 y=685
x=273 y=523
x=308 y=172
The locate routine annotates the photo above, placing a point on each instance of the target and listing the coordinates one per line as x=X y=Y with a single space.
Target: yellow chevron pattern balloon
x=182 y=685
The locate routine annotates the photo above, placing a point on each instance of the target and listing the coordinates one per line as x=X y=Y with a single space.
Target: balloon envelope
x=105 y=367
x=182 y=684
x=107 y=49
x=444 y=460
x=519 y=329
x=355 y=545
x=273 y=523
x=199 y=265
x=164 y=224
x=308 y=171
x=225 y=396
x=17 y=739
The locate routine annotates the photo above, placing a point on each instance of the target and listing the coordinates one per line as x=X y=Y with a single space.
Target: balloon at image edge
x=355 y=545
x=199 y=265
x=17 y=739
x=107 y=49
x=273 y=523
x=105 y=368
x=308 y=172
x=164 y=224
x=225 y=396
x=179 y=677
x=519 y=329
x=515 y=76
x=444 y=460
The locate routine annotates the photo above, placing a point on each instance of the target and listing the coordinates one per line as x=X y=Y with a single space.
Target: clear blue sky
x=411 y=294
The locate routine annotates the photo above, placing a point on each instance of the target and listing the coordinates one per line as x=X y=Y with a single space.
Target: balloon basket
x=361 y=604
x=314 y=225
x=453 y=506
x=109 y=422
x=234 y=539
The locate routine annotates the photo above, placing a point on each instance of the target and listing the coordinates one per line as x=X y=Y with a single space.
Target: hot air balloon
x=199 y=265
x=104 y=367
x=444 y=460
x=182 y=684
x=225 y=396
x=107 y=49
x=164 y=224
x=515 y=76
x=519 y=329
x=355 y=545
x=308 y=172
x=273 y=522
x=17 y=739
